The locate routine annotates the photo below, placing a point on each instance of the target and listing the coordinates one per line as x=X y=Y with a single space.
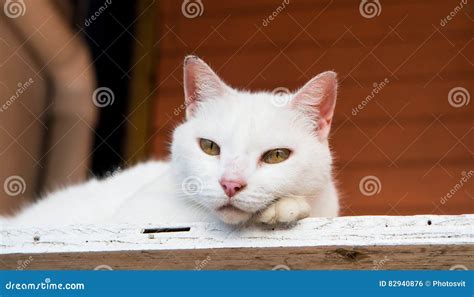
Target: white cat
x=239 y=157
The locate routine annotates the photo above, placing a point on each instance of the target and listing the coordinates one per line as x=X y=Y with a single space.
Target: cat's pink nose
x=231 y=187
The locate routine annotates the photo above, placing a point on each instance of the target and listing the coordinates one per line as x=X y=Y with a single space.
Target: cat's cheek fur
x=195 y=173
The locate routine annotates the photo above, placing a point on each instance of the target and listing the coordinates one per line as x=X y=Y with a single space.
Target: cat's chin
x=232 y=215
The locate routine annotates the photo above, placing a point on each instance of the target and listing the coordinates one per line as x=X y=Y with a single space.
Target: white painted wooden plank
x=317 y=232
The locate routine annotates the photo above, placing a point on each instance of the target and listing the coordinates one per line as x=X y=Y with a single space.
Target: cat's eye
x=209 y=147
x=276 y=156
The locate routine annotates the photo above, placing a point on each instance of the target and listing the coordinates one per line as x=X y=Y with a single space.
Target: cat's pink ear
x=200 y=83
x=317 y=98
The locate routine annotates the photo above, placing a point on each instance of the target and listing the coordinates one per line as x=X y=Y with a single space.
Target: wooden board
x=370 y=242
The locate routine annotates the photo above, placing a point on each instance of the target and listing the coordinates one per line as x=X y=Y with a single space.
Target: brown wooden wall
x=408 y=136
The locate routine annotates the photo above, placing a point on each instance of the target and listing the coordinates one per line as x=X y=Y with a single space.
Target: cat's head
x=239 y=151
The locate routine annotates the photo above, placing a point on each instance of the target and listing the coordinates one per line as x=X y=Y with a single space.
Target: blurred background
x=88 y=88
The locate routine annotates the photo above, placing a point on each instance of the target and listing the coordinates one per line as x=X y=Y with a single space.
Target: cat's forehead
x=247 y=110
x=250 y=119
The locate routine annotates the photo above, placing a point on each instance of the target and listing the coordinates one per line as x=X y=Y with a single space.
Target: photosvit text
x=421 y=283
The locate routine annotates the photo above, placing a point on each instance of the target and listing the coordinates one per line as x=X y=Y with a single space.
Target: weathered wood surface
x=368 y=242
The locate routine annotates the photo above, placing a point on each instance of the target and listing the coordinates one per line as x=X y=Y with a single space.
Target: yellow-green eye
x=276 y=156
x=209 y=147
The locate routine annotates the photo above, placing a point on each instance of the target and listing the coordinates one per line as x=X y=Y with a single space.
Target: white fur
x=245 y=125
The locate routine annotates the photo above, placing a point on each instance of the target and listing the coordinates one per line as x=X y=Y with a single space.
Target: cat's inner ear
x=201 y=83
x=317 y=99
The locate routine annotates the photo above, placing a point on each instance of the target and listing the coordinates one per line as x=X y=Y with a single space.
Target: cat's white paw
x=285 y=211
